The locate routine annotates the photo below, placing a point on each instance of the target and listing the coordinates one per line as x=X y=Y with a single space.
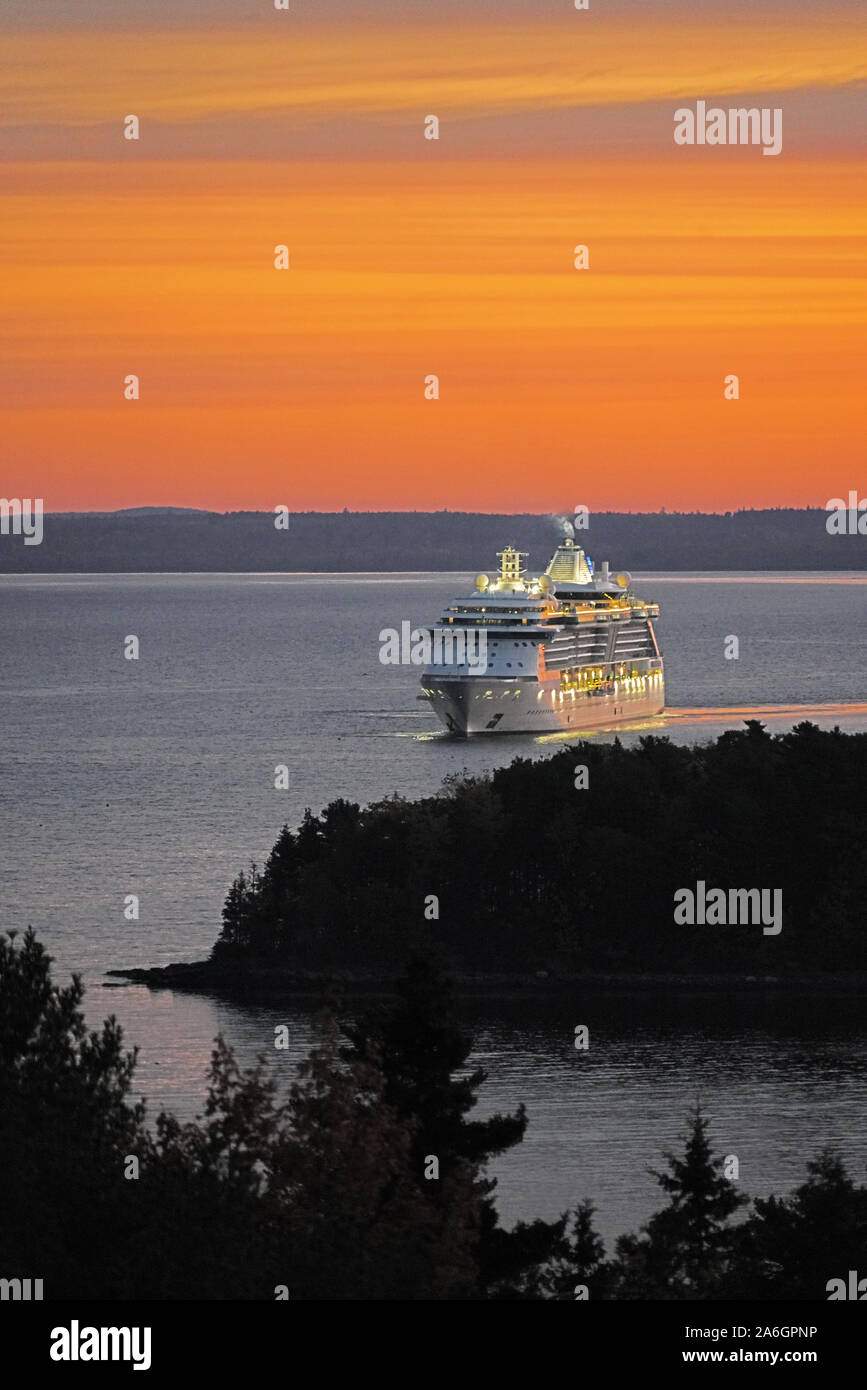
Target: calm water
x=156 y=777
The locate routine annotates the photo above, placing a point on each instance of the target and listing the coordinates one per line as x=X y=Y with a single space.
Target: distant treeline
x=528 y=870
x=177 y=540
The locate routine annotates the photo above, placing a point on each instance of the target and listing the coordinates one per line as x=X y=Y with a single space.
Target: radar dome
x=624 y=579
x=482 y=582
x=545 y=584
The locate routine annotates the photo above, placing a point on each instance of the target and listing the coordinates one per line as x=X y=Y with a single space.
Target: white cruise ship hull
x=571 y=650
x=483 y=706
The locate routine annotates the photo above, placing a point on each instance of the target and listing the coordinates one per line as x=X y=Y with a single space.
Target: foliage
x=531 y=874
x=685 y=1249
x=327 y=1190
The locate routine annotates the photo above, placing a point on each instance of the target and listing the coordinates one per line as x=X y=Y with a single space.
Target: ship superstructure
x=571 y=649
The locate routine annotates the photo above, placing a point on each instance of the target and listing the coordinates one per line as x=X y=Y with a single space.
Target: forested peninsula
x=741 y=862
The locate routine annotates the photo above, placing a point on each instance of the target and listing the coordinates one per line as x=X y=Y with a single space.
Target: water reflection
x=780 y=1078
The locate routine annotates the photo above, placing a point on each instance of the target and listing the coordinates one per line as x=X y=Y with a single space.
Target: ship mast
x=511 y=569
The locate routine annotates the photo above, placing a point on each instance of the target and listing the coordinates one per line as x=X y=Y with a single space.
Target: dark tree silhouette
x=587 y=889
x=66 y=1130
x=792 y=1246
x=423 y=1053
x=329 y=1191
x=685 y=1249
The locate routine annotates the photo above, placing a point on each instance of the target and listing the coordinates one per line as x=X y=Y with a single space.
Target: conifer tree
x=66 y=1129
x=685 y=1249
x=423 y=1053
x=792 y=1246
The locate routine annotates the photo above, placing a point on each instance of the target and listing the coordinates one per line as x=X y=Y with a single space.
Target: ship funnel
x=569 y=565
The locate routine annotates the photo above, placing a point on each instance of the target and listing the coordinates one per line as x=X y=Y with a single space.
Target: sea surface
x=156 y=777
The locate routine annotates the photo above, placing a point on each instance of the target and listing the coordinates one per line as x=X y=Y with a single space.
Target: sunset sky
x=412 y=257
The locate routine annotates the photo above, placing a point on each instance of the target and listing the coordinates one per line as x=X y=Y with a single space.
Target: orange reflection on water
x=706 y=714
x=703 y=714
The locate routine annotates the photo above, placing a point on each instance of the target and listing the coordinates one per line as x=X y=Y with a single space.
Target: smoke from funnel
x=565 y=526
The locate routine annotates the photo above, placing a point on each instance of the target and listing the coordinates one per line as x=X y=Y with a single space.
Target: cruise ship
x=571 y=649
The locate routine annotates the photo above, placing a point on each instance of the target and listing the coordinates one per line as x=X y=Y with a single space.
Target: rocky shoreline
x=269 y=983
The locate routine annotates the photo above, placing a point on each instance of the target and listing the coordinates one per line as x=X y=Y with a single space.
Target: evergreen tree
x=558 y=1260
x=792 y=1246
x=358 y=1224
x=241 y=911
x=685 y=1249
x=314 y=1193
x=66 y=1131
x=423 y=1053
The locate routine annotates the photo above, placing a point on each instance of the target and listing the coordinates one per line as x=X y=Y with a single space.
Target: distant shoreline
x=166 y=541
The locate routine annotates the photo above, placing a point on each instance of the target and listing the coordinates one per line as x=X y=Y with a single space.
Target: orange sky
x=411 y=257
